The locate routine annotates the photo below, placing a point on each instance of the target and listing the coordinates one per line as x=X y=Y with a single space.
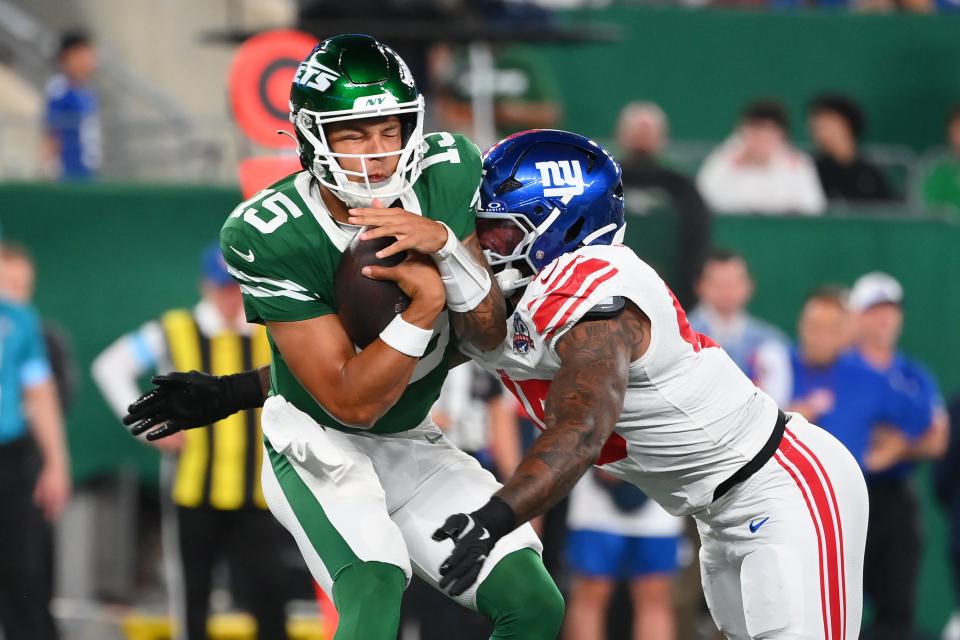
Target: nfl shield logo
x=522 y=342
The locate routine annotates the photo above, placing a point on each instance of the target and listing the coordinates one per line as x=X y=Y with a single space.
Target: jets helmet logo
x=563 y=178
x=312 y=74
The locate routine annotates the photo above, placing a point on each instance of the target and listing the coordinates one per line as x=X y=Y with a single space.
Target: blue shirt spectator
x=876 y=299
x=910 y=377
x=855 y=398
x=23 y=364
x=836 y=390
x=72 y=119
x=72 y=111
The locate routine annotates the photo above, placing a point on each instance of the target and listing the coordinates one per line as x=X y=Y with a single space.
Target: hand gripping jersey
x=690 y=417
x=283 y=247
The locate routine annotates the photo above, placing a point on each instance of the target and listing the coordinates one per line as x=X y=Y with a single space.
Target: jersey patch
x=522 y=342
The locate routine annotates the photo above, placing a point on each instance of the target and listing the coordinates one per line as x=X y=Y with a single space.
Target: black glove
x=193 y=399
x=473 y=537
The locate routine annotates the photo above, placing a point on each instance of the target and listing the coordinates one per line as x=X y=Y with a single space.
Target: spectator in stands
x=617 y=534
x=836 y=390
x=73 y=145
x=17 y=283
x=942 y=184
x=34 y=475
x=757 y=170
x=836 y=126
x=947 y=489
x=759 y=349
x=892 y=560
x=642 y=133
x=218 y=508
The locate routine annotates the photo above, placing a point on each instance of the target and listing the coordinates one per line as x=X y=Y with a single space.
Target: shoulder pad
x=607 y=308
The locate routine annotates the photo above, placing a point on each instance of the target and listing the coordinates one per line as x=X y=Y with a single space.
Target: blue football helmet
x=545 y=193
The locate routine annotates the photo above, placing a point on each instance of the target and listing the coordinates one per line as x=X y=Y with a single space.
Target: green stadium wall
x=110 y=258
x=701 y=66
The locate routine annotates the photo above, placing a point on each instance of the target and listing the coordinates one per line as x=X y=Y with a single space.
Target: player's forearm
x=369 y=384
x=372 y=381
x=485 y=325
x=557 y=460
x=46 y=423
x=581 y=412
x=582 y=408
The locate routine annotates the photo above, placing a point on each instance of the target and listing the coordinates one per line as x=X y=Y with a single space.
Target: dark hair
x=843 y=106
x=721 y=256
x=766 y=111
x=73 y=39
x=15 y=251
x=829 y=293
x=718 y=254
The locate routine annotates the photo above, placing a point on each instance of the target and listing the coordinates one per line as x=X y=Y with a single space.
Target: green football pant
x=518 y=596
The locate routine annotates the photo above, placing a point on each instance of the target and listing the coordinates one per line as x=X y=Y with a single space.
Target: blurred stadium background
x=120 y=246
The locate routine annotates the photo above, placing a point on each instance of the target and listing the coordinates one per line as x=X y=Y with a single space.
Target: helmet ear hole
x=574 y=230
x=408 y=123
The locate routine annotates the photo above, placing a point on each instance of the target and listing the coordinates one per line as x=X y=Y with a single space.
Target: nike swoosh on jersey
x=546 y=277
x=248 y=256
x=756 y=524
x=434 y=440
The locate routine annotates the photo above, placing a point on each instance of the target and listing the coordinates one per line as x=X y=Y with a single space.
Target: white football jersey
x=690 y=418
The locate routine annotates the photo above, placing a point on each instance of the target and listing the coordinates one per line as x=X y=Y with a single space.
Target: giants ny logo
x=562 y=178
x=312 y=74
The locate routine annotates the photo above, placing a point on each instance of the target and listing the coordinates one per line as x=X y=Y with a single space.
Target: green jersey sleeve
x=281 y=279
x=451 y=177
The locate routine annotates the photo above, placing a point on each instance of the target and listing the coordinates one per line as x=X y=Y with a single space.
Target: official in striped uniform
x=214 y=473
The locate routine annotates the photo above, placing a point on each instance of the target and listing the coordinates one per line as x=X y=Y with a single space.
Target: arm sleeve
x=273 y=281
x=116 y=370
x=34 y=364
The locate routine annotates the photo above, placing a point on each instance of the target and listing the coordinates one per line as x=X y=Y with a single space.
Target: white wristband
x=465 y=282
x=406 y=338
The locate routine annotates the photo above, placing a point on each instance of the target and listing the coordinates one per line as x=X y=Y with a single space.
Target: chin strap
x=507 y=279
x=465 y=282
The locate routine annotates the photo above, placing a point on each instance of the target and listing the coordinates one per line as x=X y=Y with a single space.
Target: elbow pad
x=465 y=282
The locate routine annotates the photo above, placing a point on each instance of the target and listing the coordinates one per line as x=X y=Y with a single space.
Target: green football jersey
x=283 y=247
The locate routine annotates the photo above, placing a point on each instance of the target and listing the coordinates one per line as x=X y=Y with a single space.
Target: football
x=367 y=306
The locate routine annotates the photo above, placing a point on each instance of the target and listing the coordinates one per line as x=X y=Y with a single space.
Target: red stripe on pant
x=816 y=528
x=821 y=508
x=836 y=515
